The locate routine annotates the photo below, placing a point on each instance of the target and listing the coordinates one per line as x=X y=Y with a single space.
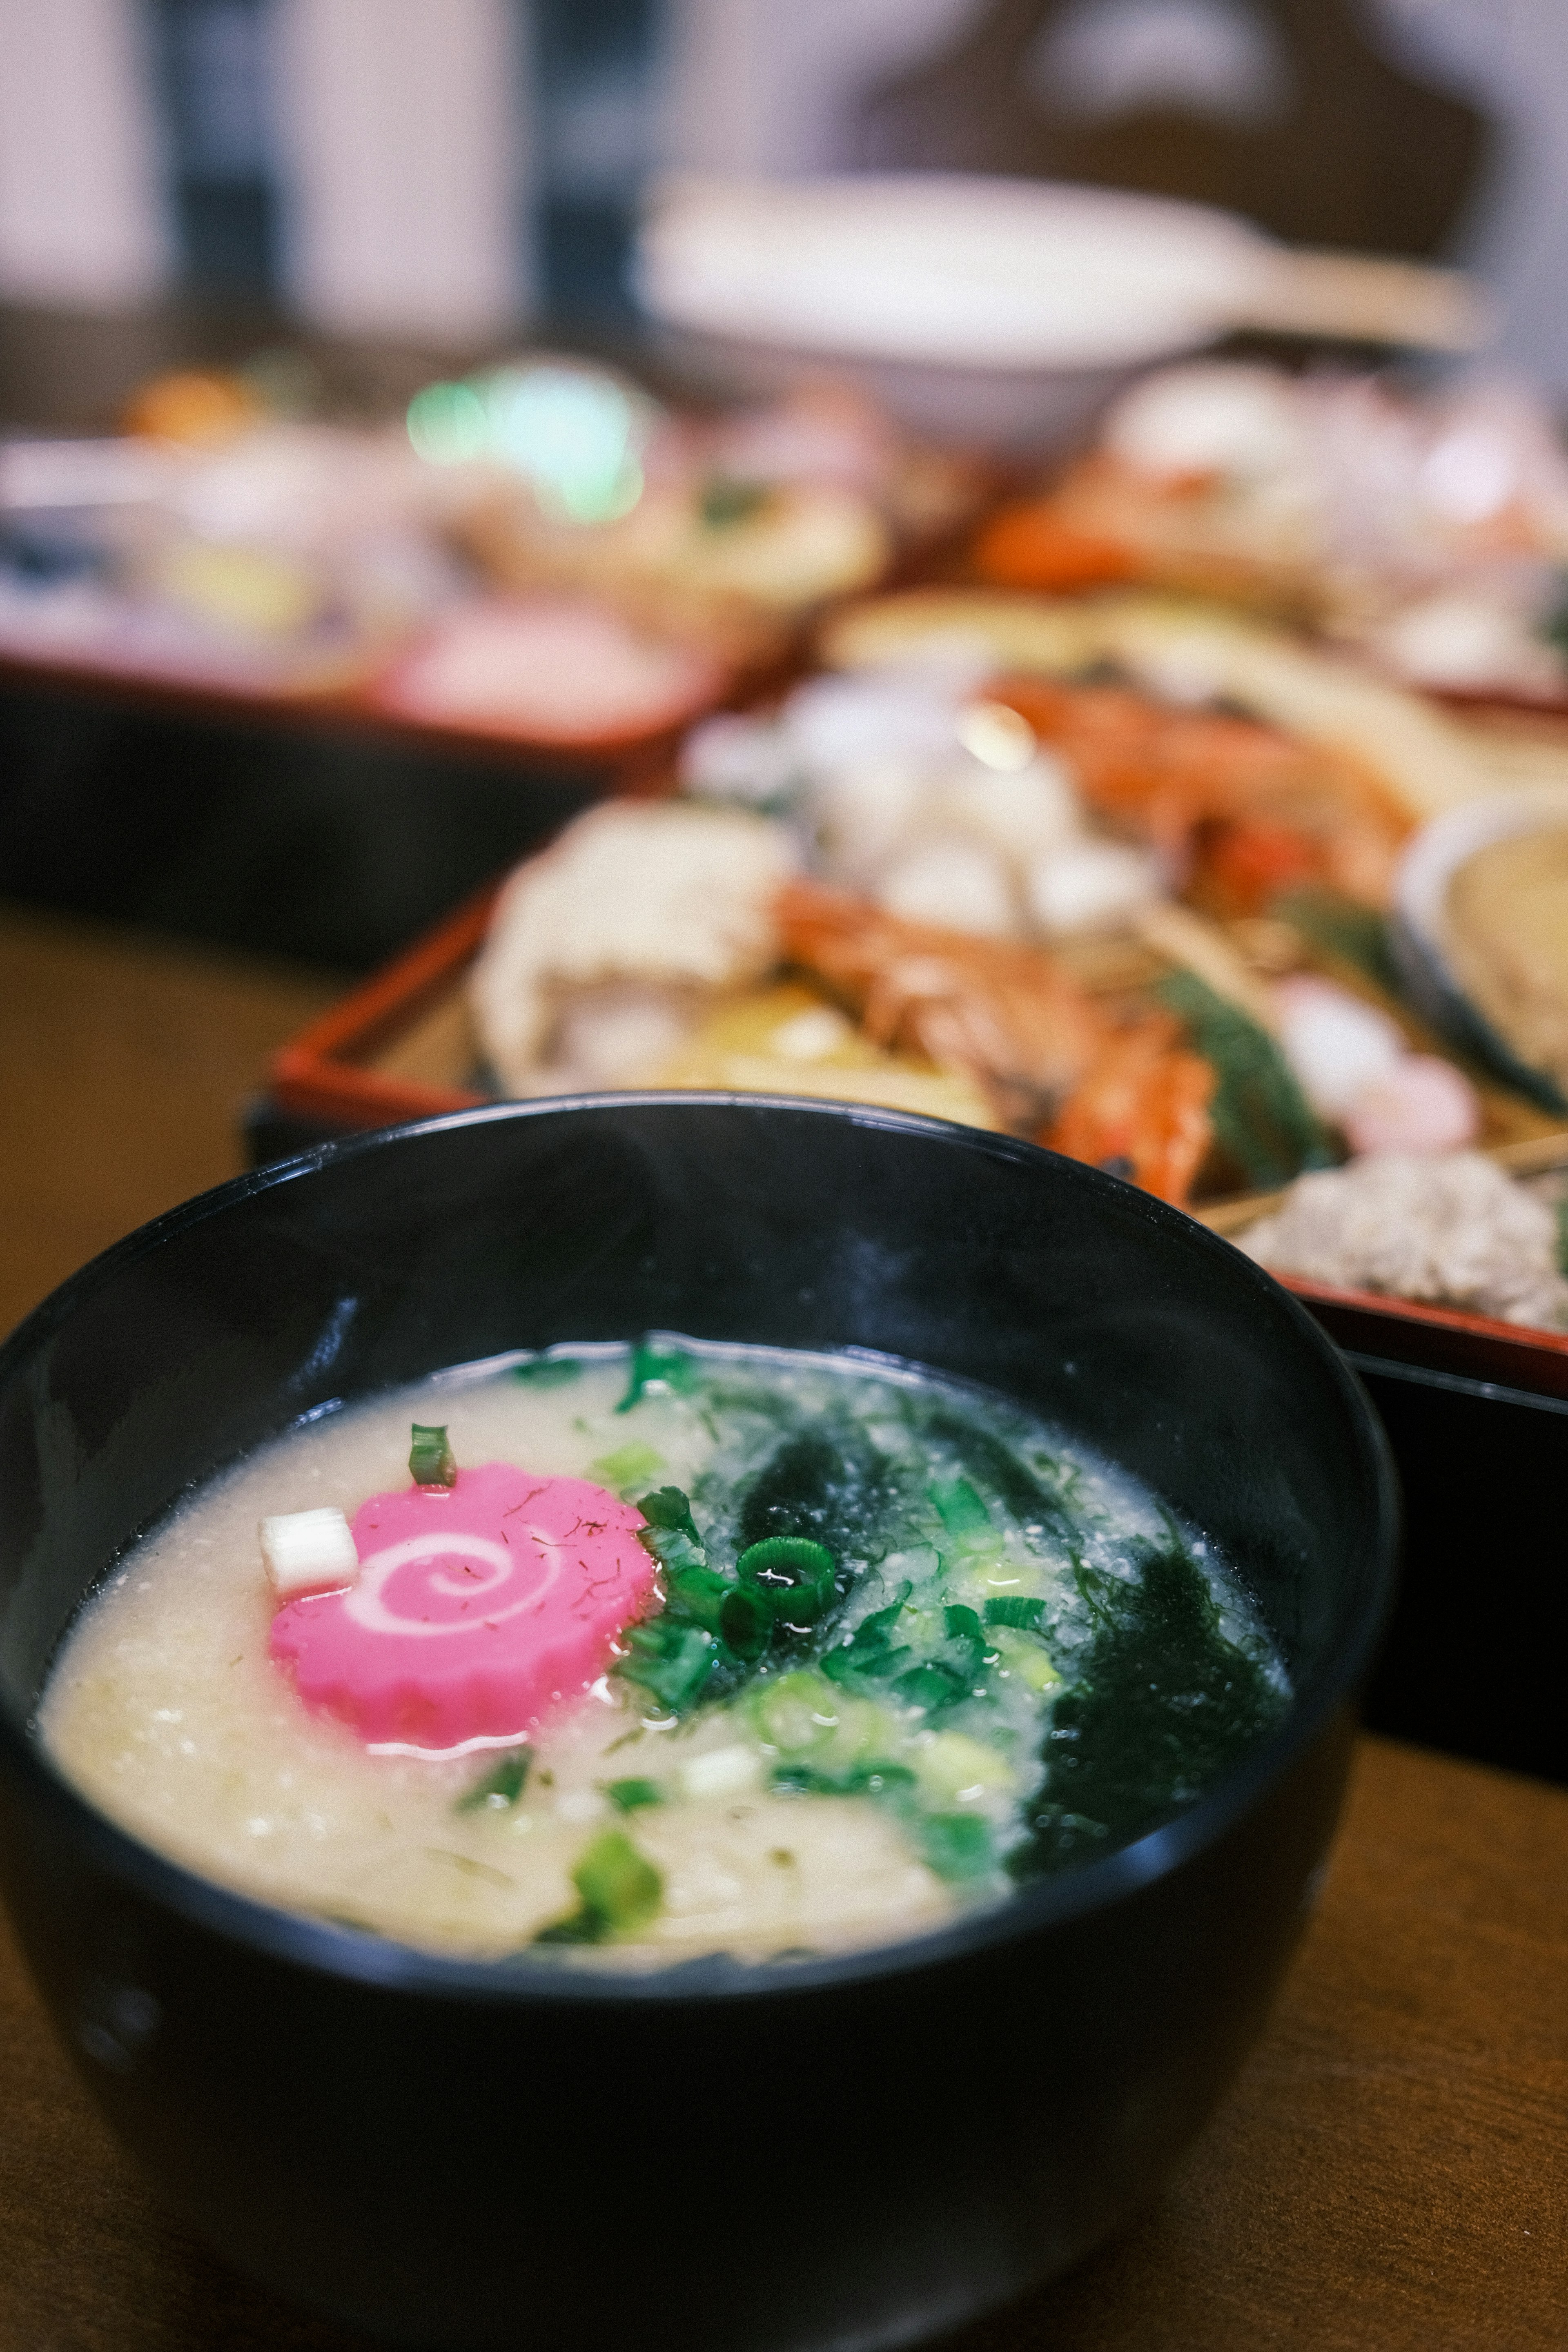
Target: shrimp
x=1224 y=799
x=1142 y=1112
x=1054 y=1064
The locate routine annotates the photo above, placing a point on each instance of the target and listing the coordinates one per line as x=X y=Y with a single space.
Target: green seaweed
x=829 y=1483
x=1162 y=1707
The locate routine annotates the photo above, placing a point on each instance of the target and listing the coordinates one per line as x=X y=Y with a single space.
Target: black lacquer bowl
x=847 y=2152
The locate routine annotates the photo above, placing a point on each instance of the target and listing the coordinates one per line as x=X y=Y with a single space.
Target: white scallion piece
x=307 y=1551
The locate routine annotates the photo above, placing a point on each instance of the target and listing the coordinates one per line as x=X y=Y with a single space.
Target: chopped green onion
x=664 y=1369
x=746 y=1622
x=619 y=1890
x=670 y=1661
x=627 y=1795
x=617 y=1883
x=671 y=1532
x=932 y=1685
x=961 y=1510
x=957 y=1846
x=431 y=1462
x=548 y=1372
x=794 y=1574
x=701 y=1593
x=501 y=1786
x=1015 y=1608
x=629 y=1465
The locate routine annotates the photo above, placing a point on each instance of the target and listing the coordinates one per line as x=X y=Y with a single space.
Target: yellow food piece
x=1507 y=921
x=786 y=1041
x=251 y=592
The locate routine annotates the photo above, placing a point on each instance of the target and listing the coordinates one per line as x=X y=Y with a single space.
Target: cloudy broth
x=898 y=1648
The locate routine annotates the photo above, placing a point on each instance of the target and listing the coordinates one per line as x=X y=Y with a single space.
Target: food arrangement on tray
x=1429 y=533
x=1117 y=874
x=542 y=553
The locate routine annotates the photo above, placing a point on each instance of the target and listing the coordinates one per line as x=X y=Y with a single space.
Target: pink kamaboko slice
x=476 y=1609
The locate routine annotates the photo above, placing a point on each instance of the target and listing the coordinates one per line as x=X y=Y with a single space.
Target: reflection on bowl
x=859 y=2150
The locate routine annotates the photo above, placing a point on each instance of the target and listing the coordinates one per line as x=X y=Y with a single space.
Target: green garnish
x=629 y=1465
x=957 y=1846
x=548 y=1372
x=1016 y=1610
x=961 y=1510
x=627 y=1795
x=746 y=1623
x=793 y=1575
x=431 y=1462
x=671 y=1531
x=1033 y=1497
x=670 y=1660
x=1259 y=1115
x=933 y=1686
x=869 y=1780
x=667 y=1370
x=501 y=1786
x=619 y=1890
x=726 y=500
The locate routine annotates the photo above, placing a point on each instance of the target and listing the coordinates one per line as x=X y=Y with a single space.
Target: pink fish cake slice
x=477 y=1608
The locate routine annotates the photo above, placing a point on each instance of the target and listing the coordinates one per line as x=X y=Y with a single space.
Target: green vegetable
x=699 y=1593
x=746 y=1622
x=619 y=1891
x=1562 y=1234
x=1163 y=1705
x=671 y=1531
x=1032 y=1498
x=836 y=1488
x=961 y=1510
x=627 y=1795
x=865 y=1780
x=670 y=1660
x=1259 y=1115
x=667 y=1370
x=1342 y=927
x=966 y=1638
x=793 y=1575
x=627 y=1466
x=1015 y=1608
x=430 y=1459
x=933 y=1686
x=726 y=500
x=957 y=1846
x=501 y=1786
x=548 y=1372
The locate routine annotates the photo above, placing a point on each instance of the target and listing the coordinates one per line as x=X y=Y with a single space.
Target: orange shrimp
x=1142 y=1112
x=1228 y=801
x=1009 y=1018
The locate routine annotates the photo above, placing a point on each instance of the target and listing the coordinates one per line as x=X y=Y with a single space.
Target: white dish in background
x=989 y=309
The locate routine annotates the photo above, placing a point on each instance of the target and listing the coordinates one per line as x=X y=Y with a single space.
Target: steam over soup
x=660 y=1651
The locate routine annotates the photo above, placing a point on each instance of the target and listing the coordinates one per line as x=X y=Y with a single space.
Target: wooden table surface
x=1391 y=2169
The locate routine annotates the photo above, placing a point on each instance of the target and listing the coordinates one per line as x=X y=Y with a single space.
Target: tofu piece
x=307 y=1551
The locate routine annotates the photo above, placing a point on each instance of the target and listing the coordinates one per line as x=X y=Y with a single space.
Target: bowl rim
x=318 y=1944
